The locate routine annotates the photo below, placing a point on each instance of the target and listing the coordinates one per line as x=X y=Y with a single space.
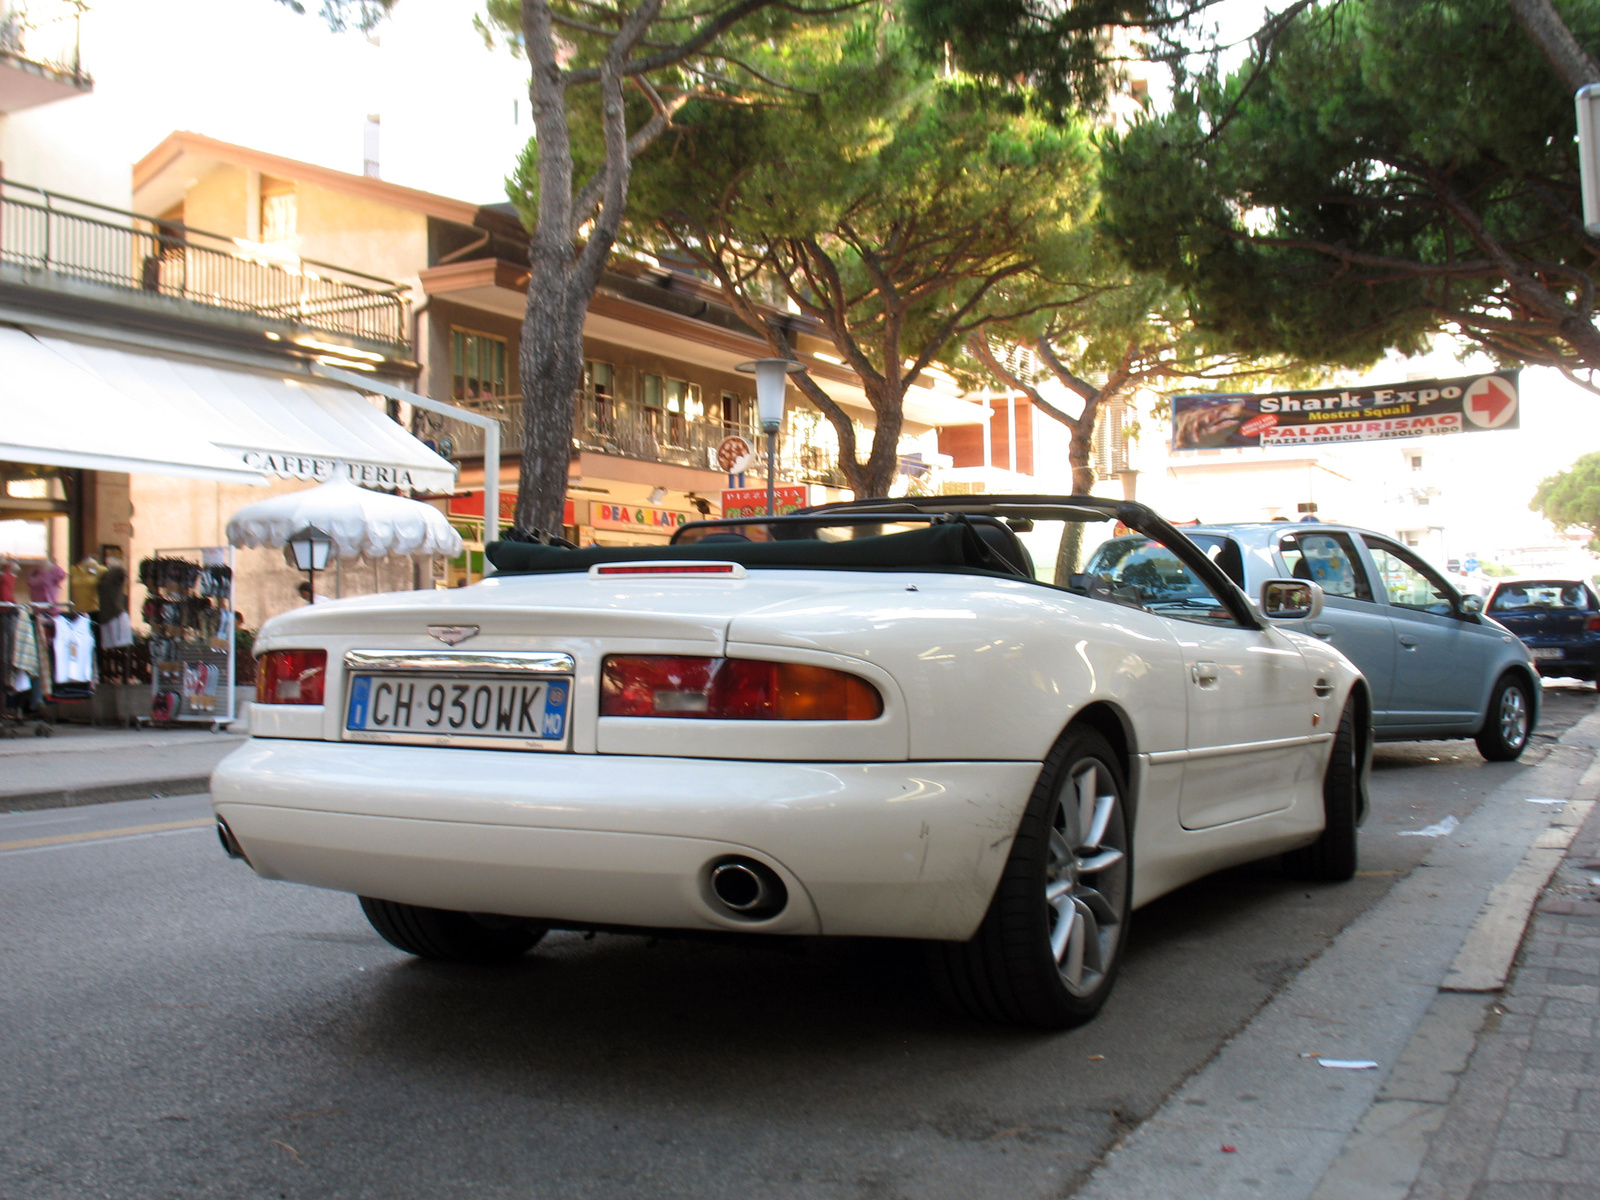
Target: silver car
x=1437 y=666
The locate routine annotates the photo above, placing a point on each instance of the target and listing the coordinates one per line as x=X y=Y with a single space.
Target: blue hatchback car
x=1558 y=619
x=1438 y=665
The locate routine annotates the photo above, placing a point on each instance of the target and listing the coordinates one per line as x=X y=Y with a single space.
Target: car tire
x=1048 y=950
x=1506 y=727
x=445 y=936
x=1333 y=856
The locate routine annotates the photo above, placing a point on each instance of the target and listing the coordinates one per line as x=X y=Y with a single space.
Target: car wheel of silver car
x=1049 y=947
x=1506 y=728
x=446 y=936
x=1332 y=857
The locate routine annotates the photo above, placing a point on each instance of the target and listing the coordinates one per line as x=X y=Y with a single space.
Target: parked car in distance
x=1438 y=666
x=870 y=720
x=1557 y=619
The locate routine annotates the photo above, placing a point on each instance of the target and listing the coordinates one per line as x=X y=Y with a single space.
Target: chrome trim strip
x=1289 y=743
x=522 y=662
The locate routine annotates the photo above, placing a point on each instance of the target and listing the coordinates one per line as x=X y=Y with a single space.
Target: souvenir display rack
x=189 y=610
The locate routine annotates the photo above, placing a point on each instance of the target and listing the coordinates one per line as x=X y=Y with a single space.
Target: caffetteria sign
x=1420 y=408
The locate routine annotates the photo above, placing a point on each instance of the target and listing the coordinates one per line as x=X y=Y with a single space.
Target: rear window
x=1223 y=551
x=1542 y=593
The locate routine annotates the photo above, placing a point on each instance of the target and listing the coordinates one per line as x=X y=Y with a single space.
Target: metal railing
x=600 y=423
x=45 y=33
x=90 y=242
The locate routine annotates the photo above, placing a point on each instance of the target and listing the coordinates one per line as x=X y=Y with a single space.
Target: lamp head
x=311 y=547
x=772 y=378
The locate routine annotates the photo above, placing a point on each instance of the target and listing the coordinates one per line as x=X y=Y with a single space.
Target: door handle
x=1203 y=673
x=1325 y=632
x=1408 y=641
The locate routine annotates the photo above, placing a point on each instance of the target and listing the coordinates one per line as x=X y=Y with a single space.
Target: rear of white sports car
x=899 y=734
x=625 y=750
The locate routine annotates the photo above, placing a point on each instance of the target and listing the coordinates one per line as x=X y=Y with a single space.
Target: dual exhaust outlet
x=747 y=888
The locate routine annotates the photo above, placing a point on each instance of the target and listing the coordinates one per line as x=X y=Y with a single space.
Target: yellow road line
x=97 y=835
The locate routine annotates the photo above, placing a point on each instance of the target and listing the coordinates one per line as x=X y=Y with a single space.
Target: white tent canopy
x=360 y=522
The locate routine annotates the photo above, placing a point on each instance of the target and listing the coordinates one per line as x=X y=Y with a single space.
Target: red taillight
x=739 y=689
x=291 y=676
x=1592 y=625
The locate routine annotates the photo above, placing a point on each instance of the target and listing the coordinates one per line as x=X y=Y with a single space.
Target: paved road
x=176 y=1027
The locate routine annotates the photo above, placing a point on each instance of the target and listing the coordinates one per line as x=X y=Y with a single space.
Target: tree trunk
x=551 y=366
x=1545 y=28
x=1070 y=551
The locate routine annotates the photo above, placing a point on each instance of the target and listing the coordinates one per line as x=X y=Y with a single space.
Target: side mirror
x=1290 y=599
x=1471 y=606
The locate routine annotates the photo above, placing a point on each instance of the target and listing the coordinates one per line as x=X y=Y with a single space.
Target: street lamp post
x=772 y=380
x=310 y=548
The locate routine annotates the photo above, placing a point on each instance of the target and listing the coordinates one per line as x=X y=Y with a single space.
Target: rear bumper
x=866 y=849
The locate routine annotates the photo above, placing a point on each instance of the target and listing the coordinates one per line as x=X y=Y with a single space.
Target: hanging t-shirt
x=113 y=588
x=73 y=647
x=82 y=587
x=44 y=581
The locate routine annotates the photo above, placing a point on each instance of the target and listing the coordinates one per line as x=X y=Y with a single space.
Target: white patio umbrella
x=360 y=521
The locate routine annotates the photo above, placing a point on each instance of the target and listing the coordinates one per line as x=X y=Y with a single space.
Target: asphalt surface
x=176 y=1027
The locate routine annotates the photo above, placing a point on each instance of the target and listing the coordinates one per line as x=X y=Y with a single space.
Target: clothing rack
x=29 y=649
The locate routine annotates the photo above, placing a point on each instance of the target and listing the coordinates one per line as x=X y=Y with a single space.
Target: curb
x=105 y=793
x=1279 y=1117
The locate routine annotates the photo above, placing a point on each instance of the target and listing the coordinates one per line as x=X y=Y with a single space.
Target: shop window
x=478 y=365
x=280 y=210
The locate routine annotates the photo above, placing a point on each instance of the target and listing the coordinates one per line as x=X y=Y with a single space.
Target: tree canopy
x=1390 y=169
x=1571 y=498
x=887 y=200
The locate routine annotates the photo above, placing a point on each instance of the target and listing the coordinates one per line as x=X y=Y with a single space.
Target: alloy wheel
x=1513 y=716
x=1086 y=877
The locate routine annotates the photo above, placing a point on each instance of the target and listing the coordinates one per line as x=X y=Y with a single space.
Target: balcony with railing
x=70 y=247
x=614 y=425
x=39 y=60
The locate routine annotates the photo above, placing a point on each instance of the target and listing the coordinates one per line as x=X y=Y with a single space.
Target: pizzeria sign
x=1416 y=408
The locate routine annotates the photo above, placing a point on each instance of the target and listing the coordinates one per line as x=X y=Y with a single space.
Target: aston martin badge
x=453 y=635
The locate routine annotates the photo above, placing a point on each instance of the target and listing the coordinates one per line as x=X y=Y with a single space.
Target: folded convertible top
x=952 y=545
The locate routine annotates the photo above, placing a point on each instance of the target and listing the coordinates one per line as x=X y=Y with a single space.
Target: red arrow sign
x=1492 y=401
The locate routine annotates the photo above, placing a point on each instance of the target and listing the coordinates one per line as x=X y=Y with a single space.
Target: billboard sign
x=1419 y=408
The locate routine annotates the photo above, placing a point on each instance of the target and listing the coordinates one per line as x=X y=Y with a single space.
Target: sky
x=453 y=113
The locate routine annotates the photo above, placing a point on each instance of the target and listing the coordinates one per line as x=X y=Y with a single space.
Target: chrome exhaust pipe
x=230 y=844
x=748 y=888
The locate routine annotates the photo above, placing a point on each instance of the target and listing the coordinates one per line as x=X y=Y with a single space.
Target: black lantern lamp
x=311 y=547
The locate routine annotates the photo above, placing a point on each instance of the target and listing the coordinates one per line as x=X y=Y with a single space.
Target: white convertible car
x=873 y=719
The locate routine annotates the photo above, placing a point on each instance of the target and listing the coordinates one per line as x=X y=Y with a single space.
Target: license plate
x=1542 y=652
x=438 y=710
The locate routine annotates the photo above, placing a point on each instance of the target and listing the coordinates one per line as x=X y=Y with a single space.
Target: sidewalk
x=1412 y=1060
x=80 y=764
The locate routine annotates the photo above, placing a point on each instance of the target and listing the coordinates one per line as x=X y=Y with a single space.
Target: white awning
x=59 y=414
x=165 y=414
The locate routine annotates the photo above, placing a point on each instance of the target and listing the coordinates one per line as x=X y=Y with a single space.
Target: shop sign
x=1416 y=408
x=303 y=466
x=636 y=517
x=752 y=502
x=734 y=454
x=471 y=505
